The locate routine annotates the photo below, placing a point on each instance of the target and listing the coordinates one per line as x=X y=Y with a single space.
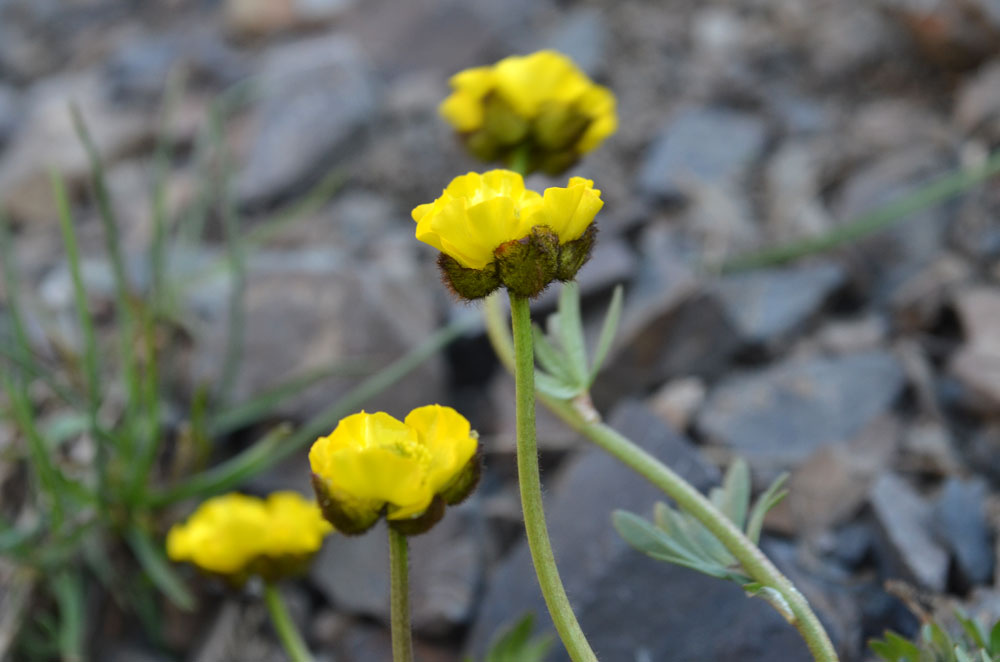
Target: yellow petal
x=527 y=82
x=598 y=103
x=463 y=111
x=448 y=436
x=570 y=211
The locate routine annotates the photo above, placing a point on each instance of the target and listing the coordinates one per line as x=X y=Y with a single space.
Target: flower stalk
x=402 y=637
x=754 y=562
x=290 y=637
x=529 y=480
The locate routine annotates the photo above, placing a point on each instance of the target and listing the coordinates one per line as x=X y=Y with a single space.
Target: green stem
x=402 y=637
x=758 y=566
x=529 y=479
x=290 y=637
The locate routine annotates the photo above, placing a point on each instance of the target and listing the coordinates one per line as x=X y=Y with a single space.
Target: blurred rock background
x=871 y=373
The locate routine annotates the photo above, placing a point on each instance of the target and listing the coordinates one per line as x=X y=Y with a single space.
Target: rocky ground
x=871 y=373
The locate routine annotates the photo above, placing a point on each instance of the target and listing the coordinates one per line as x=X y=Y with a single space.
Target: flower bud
x=373 y=465
x=492 y=231
x=539 y=108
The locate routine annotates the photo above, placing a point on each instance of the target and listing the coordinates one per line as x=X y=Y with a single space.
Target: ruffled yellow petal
x=570 y=211
x=525 y=82
x=598 y=103
x=448 y=437
x=296 y=525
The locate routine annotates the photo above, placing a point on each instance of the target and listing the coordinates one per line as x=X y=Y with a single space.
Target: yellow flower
x=235 y=535
x=539 y=104
x=478 y=214
x=374 y=463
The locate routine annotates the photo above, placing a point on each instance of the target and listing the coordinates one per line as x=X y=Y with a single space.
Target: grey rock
x=138 y=70
x=9 y=113
x=47 y=141
x=903 y=519
x=669 y=327
x=582 y=34
x=632 y=607
x=446 y=567
x=977 y=363
x=793 y=181
x=767 y=306
x=832 y=485
x=306 y=309
x=849 y=336
x=778 y=416
x=977 y=110
x=890 y=258
x=712 y=146
x=318 y=96
x=959 y=523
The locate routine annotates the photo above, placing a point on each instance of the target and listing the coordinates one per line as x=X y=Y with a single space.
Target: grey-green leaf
x=571 y=331
x=608 y=330
x=556 y=388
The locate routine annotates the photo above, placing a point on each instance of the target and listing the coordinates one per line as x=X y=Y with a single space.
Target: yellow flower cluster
x=541 y=104
x=479 y=215
x=236 y=535
x=373 y=464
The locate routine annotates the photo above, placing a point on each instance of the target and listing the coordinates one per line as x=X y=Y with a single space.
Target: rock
x=446 y=567
x=951 y=35
x=9 y=114
x=701 y=146
x=977 y=110
x=903 y=519
x=846 y=39
x=47 y=141
x=832 y=485
x=777 y=417
x=852 y=544
x=793 y=184
x=615 y=590
x=582 y=34
x=977 y=364
x=928 y=447
x=918 y=301
x=138 y=70
x=854 y=335
x=677 y=401
x=261 y=18
x=308 y=309
x=317 y=97
x=767 y=306
x=669 y=327
x=891 y=257
x=984 y=452
x=959 y=523
x=501 y=436
x=364 y=641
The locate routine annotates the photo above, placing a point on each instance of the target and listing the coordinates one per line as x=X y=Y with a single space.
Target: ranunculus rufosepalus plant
x=236 y=537
x=374 y=465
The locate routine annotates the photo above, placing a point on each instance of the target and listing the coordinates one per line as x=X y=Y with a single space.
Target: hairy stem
x=402 y=638
x=529 y=479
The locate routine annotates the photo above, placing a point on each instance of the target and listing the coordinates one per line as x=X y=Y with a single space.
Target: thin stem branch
x=749 y=555
x=399 y=571
x=529 y=479
x=290 y=637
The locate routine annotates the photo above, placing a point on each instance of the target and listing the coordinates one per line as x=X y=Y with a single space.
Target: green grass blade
x=896 y=211
x=8 y=263
x=67 y=588
x=123 y=292
x=260 y=406
x=158 y=568
x=229 y=474
x=86 y=322
x=40 y=461
x=254 y=460
x=236 y=319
